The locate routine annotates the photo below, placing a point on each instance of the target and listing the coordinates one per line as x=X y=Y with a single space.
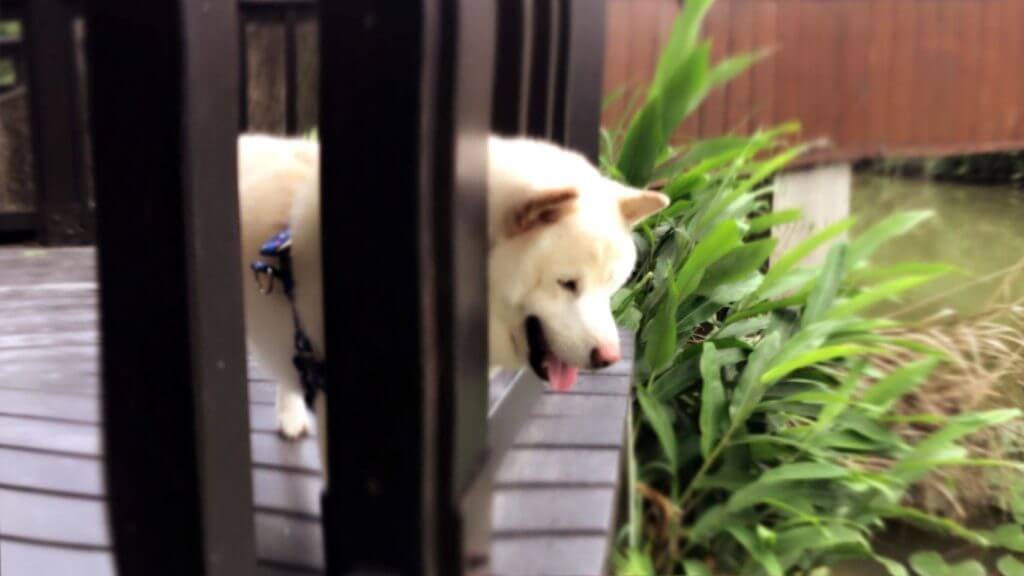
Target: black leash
x=311 y=370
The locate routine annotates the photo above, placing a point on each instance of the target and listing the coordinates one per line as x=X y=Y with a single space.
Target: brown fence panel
x=894 y=77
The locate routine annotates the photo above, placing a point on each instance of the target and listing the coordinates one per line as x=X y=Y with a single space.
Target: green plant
x=762 y=436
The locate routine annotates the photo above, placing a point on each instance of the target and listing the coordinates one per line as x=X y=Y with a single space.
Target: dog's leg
x=292 y=415
x=274 y=349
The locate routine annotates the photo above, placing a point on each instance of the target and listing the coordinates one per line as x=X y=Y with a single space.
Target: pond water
x=979 y=229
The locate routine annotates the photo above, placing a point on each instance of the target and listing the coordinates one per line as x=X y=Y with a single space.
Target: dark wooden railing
x=288 y=13
x=44 y=61
x=405 y=112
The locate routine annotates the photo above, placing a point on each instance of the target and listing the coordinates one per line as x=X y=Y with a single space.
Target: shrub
x=762 y=433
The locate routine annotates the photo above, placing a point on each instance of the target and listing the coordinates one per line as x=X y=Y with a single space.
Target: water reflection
x=977 y=228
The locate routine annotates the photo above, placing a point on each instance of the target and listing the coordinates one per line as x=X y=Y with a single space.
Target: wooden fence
x=875 y=77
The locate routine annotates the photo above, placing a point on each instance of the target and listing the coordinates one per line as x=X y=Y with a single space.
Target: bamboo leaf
x=764 y=556
x=660 y=336
x=749 y=389
x=681 y=42
x=660 y=420
x=876 y=294
x=769 y=221
x=884 y=393
x=871 y=240
x=874 y=274
x=733 y=66
x=725 y=238
x=712 y=411
x=825 y=290
x=643 y=144
x=813 y=357
x=685 y=88
x=940 y=445
x=738 y=264
x=934 y=523
x=790 y=259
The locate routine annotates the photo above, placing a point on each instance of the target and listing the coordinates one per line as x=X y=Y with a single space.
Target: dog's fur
x=559 y=248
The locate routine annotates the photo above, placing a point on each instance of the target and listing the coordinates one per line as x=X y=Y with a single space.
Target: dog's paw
x=293 y=420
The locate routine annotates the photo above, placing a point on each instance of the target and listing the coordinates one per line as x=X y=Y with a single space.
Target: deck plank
x=554 y=499
x=54 y=519
x=17 y=558
x=543 y=555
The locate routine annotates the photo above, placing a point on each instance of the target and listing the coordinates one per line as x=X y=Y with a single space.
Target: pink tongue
x=562 y=376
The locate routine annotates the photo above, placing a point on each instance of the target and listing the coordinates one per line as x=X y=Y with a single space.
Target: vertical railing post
x=243 y=71
x=584 y=73
x=164 y=106
x=62 y=208
x=291 y=73
x=543 y=39
x=406 y=341
x=511 y=63
x=461 y=227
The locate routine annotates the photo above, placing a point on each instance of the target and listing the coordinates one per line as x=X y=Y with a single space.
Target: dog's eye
x=569 y=285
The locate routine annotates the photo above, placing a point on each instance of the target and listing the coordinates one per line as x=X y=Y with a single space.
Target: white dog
x=560 y=246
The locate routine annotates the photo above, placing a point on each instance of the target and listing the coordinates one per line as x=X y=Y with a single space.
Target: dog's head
x=560 y=248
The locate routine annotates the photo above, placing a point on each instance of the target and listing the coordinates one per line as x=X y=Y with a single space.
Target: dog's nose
x=604 y=355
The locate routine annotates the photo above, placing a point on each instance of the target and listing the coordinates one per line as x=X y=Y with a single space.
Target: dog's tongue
x=562 y=376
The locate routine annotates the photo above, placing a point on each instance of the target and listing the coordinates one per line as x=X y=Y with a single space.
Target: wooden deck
x=553 y=507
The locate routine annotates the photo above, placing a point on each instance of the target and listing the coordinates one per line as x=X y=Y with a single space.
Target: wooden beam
x=164 y=100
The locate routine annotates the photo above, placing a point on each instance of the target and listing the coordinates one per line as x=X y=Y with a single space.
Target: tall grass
x=764 y=436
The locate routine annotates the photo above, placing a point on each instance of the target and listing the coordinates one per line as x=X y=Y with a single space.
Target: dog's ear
x=639 y=204
x=539 y=211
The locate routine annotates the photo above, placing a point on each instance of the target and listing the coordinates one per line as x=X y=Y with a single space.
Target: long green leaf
x=825 y=290
x=763 y=556
x=769 y=221
x=658 y=416
x=765 y=170
x=733 y=66
x=643 y=145
x=681 y=42
x=871 y=240
x=802 y=250
x=750 y=390
x=725 y=238
x=934 y=523
x=684 y=89
x=874 y=274
x=813 y=357
x=804 y=471
x=847 y=386
x=738 y=264
x=765 y=307
x=940 y=445
x=713 y=415
x=660 y=336
x=876 y=294
x=884 y=393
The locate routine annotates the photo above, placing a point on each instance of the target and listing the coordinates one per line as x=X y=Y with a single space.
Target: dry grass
x=985 y=370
